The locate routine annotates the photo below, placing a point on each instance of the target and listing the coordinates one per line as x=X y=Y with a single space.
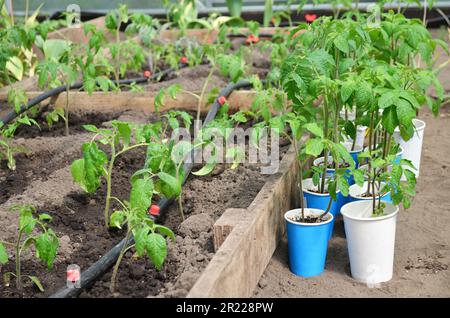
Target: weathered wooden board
x=204 y=36
x=144 y=101
x=236 y=268
x=225 y=225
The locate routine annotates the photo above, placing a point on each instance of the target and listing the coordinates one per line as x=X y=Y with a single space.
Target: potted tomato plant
x=397 y=89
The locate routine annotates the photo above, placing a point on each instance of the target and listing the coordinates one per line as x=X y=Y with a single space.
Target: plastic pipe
x=58 y=90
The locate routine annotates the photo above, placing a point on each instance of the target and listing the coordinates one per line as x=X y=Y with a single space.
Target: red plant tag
x=252 y=39
x=222 y=100
x=310 y=17
x=154 y=210
x=73 y=275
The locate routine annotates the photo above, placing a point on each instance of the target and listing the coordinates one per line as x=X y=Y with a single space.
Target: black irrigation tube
x=89 y=276
x=261 y=35
x=10 y=116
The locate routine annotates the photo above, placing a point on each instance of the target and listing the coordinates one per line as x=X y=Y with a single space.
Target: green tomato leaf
x=156 y=247
x=37 y=282
x=140 y=239
x=117 y=218
x=314 y=129
x=173 y=183
x=314 y=147
x=141 y=194
x=3 y=255
x=46 y=245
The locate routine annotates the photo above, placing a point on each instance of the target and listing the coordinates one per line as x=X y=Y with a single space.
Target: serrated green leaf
x=173 y=183
x=347 y=90
x=47 y=247
x=140 y=239
x=3 y=255
x=315 y=129
x=389 y=119
x=314 y=147
x=116 y=219
x=141 y=194
x=156 y=247
x=37 y=282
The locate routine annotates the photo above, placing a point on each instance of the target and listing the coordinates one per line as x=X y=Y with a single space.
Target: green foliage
x=33 y=231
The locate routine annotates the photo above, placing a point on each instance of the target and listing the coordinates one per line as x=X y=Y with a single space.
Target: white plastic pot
x=412 y=149
x=370 y=241
x=360 y=135
x=355 y=191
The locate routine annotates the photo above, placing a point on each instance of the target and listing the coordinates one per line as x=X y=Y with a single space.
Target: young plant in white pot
x=370 y=221
x=407 y=43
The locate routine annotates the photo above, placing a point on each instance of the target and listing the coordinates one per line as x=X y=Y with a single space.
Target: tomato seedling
x=45 y=243
x=148 y=236
x=95 y=164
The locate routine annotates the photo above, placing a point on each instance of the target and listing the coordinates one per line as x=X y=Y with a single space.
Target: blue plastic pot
x=320 y=201
x=354 y=153
x=330 y=172
x=307 y=243
x=355 y=190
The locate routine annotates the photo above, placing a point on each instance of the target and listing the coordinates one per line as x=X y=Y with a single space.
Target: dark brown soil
x=76 y=122
x=317 y=191
x=78 y=217
x=307 y=219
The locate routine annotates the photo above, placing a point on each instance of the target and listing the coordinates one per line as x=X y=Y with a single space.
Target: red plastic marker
x=310 y=18
x=252 y=39
x=147 y=74
x=184 y=60
x=222 y=100
x=154 y=210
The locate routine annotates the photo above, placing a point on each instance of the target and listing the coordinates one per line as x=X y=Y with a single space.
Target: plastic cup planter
x=355 y=152
x=370 y=241
x=355 y=191
x=360 y=130
x=412 y=149
x=330 y=171
x=316 y=200
x=307 y=242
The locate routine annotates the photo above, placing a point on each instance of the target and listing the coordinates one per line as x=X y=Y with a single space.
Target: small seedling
x=45 y=244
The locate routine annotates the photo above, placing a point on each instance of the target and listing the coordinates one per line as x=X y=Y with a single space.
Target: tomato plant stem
x=325 y=154
x=18 y=265
x=108 y=185
x=66 y=111
x=200 y=100
x=124 y=249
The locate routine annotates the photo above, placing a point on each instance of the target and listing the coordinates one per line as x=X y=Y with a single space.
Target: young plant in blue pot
x=308 y=229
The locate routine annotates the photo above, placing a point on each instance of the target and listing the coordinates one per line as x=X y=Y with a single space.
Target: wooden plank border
x=205 y=36
x=143 y=101
x=236 y=268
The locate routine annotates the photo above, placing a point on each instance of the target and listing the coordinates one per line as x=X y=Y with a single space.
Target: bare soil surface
x=43 y=179
x=422 y=255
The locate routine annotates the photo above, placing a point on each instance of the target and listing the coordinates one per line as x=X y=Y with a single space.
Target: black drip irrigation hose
x=89 y=276
x=261 y=35
x=10 y=116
